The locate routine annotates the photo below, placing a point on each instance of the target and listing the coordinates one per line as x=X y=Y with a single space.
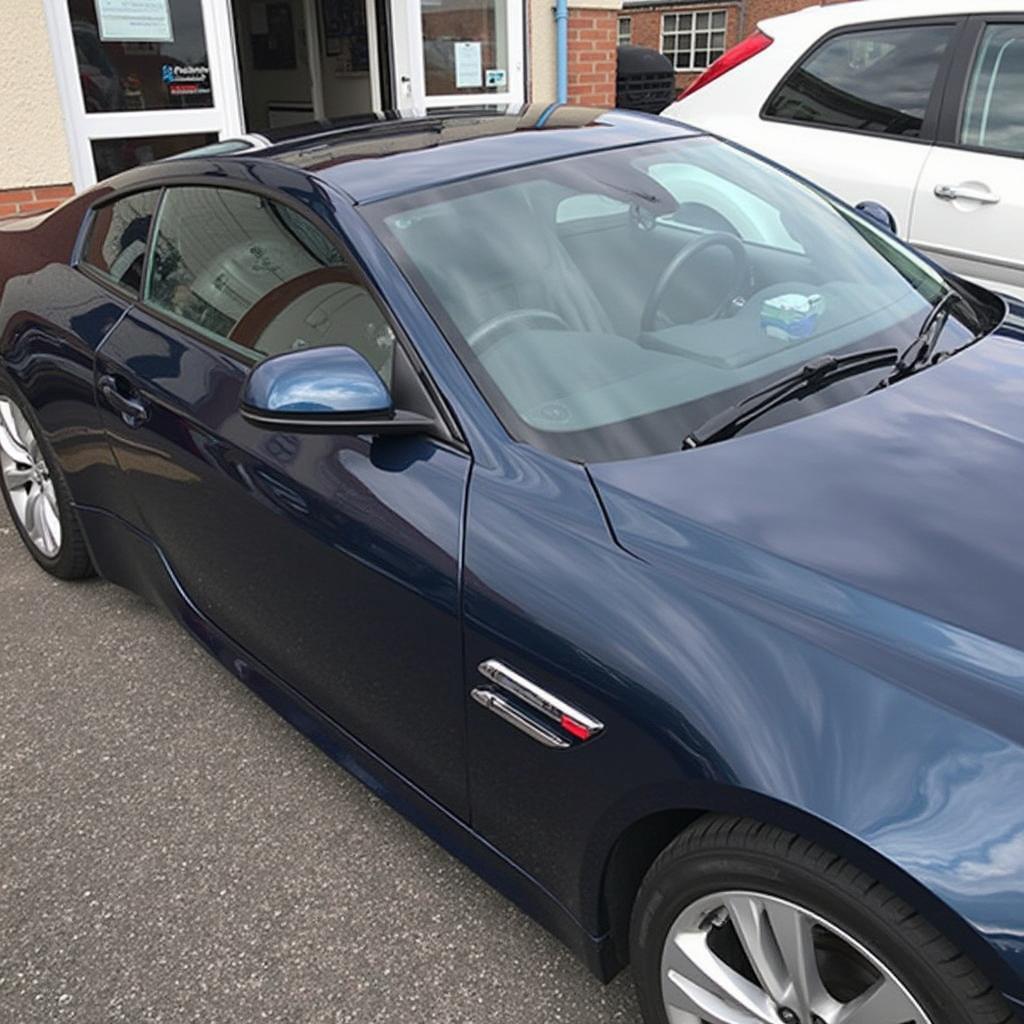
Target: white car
x=918 y=106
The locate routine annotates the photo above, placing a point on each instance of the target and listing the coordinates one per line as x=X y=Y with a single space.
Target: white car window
x=992 y=114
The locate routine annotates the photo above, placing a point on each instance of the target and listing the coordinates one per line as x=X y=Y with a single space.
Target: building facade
x=92 y=87
x=693 y=35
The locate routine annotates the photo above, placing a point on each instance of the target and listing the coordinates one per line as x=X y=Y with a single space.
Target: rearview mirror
x=327 y=390
x=878 y=213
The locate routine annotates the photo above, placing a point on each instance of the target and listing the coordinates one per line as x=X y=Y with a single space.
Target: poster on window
x=135 y=21
x=469 y=65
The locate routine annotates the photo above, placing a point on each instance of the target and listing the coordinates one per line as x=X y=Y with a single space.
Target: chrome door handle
x=951 y=192
x=132 y=411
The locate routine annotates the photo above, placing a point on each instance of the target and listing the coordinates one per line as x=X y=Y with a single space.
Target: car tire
x=728 y=885
x=69 y=559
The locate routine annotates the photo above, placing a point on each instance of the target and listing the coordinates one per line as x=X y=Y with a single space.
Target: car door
x=857 y=113
x=332 y=560
x=969 y=211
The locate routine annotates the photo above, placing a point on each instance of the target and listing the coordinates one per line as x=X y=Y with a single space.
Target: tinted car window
x=254 y=274
x=118 y=237
x=876 y=80
x=993 y=117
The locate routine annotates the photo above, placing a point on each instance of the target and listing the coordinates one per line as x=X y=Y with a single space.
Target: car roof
x=394 y=154
x=825 y=17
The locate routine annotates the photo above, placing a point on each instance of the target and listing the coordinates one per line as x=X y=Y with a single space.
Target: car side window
x=118 y=235
x=876 y=80
x=992 y=117
x=261 y=278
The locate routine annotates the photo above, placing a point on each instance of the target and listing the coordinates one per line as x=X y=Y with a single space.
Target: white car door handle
x=961 y=192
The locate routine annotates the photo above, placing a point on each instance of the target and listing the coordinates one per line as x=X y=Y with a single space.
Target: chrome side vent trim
x=568 y=720
x=504 y=710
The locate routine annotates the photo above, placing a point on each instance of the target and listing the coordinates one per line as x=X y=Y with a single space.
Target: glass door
x=142 y=79
x=457 y=53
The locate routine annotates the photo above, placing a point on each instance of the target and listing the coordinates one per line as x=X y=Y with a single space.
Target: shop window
x=147 y=57
x=464 y=46
x=112 y=156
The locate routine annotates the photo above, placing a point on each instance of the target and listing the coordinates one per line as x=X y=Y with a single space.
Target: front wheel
x=36 y=493
x=743 y=923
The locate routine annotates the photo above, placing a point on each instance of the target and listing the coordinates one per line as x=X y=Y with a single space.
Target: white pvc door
x=457 y=53
x=142 y=79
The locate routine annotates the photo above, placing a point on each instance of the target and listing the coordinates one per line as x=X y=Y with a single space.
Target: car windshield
x=608 y=304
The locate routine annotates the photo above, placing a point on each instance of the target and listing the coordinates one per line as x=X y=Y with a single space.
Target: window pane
x=992 y=116
x=261 y=277
x=878 y=80
x=154 y=60
x=668 y=23
x=702 y=20
x=465 y=46
x=118 y=236
x=718 y=19
x=112 y=156
x=700 y=59
x=718 y=41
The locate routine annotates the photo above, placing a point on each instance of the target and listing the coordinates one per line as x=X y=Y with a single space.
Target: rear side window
x=993 y=116
x=116 y=246
x=258 y=276
x=876 y=80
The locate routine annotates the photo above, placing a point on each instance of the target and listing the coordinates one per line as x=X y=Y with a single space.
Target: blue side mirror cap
x=335 y=383
x=325 y=390
x=880 y=214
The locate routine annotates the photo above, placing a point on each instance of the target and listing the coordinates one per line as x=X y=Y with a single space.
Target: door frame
x=224 y=118
x=410 y=75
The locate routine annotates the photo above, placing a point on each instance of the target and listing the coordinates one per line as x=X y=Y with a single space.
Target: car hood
x=914 y=495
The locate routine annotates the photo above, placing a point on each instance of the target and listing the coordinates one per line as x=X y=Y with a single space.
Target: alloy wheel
x=27 y=480
x=748 y=958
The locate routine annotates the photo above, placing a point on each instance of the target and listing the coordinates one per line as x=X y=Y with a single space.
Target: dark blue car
x=640 y=521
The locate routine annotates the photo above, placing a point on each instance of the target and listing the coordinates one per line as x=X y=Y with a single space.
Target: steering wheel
x=740 y=272
x=502 y=320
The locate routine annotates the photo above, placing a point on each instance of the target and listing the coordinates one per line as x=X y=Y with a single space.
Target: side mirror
x=325 y=390
x=880 y=214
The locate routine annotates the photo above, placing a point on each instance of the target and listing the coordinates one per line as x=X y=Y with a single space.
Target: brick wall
x=18 y=202
x=592 y=42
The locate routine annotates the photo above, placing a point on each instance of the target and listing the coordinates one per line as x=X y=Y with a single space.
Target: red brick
x=8 y=210
x=17 y=196
x=39 y=207
x=54 y=192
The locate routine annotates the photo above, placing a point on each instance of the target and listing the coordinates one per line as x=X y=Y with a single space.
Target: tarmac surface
x=172 y=851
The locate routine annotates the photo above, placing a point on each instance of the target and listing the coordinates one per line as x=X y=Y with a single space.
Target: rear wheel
x=36 y=493
x=742 y=923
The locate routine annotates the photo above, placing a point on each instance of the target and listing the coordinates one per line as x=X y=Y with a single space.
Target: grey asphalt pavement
x=172 y=851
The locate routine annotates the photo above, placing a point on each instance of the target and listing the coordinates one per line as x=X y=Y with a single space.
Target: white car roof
x=824 y=17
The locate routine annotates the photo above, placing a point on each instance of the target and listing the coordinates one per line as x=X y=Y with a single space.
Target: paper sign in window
x=135 y=21
x=469 y=66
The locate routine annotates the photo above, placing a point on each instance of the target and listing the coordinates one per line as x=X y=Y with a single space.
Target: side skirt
x=125 y=557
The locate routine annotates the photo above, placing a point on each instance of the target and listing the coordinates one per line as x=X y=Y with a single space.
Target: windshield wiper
x=919 y=352
x=811 y=377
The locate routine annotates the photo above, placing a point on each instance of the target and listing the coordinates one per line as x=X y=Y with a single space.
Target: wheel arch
x=638 y=844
